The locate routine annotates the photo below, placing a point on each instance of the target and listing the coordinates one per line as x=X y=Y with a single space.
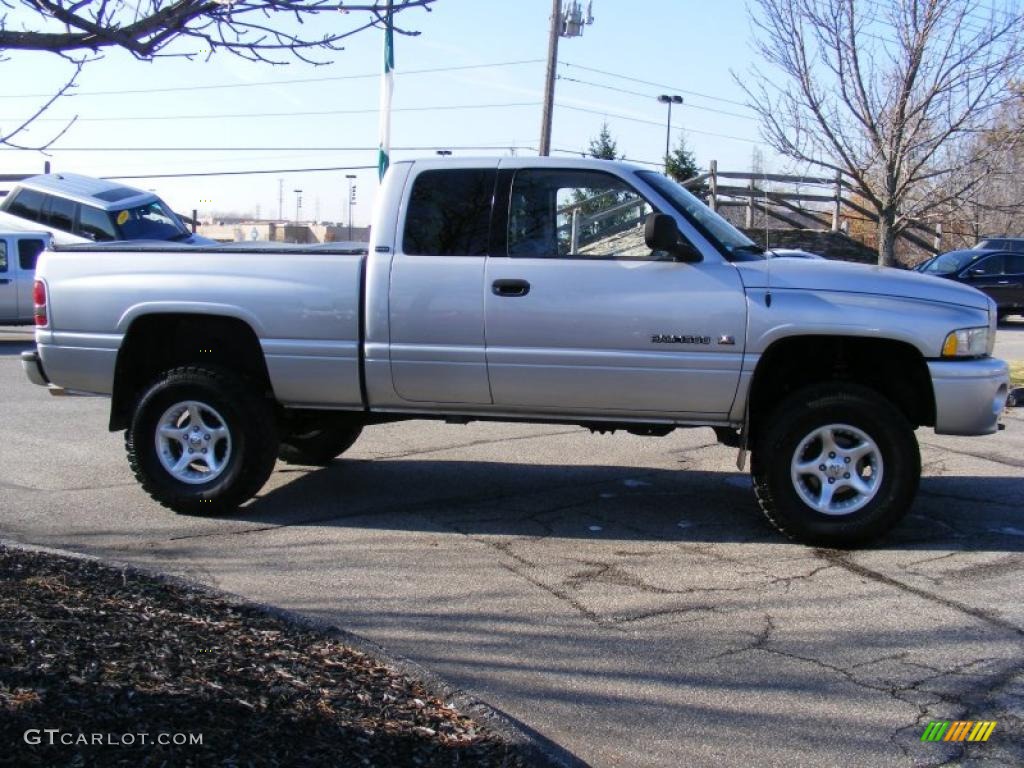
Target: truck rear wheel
x=201 y=440
x=836 y=467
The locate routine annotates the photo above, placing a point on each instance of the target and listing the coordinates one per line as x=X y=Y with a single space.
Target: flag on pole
x=386 y=87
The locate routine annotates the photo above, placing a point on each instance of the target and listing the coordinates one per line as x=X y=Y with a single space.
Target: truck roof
x=522 y=161
x=99 y=193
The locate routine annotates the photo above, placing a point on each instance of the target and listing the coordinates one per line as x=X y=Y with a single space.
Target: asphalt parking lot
x=621 y=595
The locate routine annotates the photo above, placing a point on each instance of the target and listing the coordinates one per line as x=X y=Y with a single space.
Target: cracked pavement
x=622 y=595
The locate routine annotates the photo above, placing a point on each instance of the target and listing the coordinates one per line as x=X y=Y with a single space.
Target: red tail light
x=39 y=300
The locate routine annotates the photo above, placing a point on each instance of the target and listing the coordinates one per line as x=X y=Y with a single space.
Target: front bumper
x=970 y=395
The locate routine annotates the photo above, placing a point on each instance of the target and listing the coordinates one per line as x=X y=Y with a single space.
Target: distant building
x=281 y=232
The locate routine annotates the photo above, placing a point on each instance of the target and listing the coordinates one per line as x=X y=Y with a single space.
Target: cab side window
x=449 y=213
x=576 y=214
x=3 y=255
x=28 y=253
x=26 y=203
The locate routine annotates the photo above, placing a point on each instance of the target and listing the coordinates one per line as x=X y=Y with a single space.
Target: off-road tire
x=249 y=417
x=318 y=446
x=817 y=406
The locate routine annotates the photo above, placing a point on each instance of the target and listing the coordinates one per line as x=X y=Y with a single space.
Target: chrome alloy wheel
x=837 y=469
x=193 y=442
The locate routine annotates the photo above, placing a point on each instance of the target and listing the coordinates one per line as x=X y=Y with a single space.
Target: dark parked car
x=1000 y=243
x=998 y=273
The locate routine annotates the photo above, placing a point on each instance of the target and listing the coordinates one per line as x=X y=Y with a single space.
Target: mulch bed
x=89 y=649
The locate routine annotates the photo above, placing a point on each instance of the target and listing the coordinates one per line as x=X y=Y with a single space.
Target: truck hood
x=845 y=277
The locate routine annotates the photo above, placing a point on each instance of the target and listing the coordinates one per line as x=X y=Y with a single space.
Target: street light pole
x=350 y=177
x=670 y=100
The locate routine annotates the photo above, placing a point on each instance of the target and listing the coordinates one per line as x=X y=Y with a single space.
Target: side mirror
x=662 y=234
x=977 y=272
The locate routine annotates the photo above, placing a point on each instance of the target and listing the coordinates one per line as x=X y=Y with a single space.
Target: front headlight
x=968 y=342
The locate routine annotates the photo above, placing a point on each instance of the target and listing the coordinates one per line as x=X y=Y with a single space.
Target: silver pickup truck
x=569 y=291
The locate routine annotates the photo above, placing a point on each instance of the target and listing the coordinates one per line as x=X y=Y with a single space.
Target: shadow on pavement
x=491 y=498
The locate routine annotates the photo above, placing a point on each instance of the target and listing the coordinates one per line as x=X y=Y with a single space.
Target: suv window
x=450 y=213
x=3 y=255
x=575 y=214
x=59 y=213
x=26 y=203
x=95 y=224
x=28 y=253
x=993 y=265
x=1014 y=264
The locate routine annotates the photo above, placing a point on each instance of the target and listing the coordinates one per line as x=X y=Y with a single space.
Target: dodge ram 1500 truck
x=570 y=291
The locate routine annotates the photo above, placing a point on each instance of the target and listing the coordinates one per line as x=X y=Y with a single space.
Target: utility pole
x=298 y=204
x=280 y=199
x=569 y=24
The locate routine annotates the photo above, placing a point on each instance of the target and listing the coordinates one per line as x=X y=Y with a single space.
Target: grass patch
x=1017 y=372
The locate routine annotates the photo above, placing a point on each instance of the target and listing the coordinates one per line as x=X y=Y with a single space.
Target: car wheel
x=836 y=467
x=202 y=440
x=318 y=446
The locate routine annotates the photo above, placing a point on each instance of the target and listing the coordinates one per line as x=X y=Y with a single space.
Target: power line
x=257 y=83
x=373 y=110
x=243 y=173
x=655 y=85
x=659 y=124
x=263 y=149
x=653 y=96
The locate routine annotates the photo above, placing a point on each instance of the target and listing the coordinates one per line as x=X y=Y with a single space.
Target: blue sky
x=683 y=46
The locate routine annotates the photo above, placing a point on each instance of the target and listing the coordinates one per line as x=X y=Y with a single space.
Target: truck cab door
x=581 y=316
x=8 y=285
x=435 y=294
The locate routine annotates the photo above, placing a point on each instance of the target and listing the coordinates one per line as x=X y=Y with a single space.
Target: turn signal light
x=39 y=300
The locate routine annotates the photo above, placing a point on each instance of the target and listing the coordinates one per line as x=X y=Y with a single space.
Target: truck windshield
x=737 y=245
x=152 y=221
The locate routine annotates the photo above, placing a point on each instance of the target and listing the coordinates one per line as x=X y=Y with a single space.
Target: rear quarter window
x=28 y=253
x=449 y=213
x=26 y=203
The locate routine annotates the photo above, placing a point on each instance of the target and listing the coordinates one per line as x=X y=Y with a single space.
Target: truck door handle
x=4 y=280
x=510 y=287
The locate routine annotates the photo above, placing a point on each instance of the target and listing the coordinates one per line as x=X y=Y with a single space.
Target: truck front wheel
x=201 y=440
x=836 y=467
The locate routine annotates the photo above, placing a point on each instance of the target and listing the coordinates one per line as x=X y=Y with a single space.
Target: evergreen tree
x=682 y=165
x=604 y=147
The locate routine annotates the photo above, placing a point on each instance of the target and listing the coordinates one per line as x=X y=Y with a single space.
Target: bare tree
x=892 y=93
x=269 y=31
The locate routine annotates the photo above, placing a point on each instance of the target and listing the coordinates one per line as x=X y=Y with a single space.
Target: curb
x=536 y=749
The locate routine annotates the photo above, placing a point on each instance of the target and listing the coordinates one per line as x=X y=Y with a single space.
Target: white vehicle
x=18 y=254
x=82 y=209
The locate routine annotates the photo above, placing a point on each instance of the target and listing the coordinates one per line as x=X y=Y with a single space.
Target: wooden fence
x=835 y=193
